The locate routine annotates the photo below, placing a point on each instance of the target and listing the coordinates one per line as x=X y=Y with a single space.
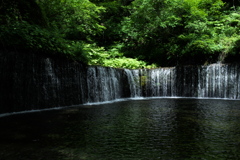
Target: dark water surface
x=148 y=129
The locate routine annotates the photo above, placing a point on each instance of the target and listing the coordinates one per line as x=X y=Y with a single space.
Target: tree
x=24 y=10
x=48 y=26
x=76 y=19
x=111 y=19
x=108 y=32
x=157 y=26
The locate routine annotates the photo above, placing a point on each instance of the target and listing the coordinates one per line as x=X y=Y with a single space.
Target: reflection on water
x=129 y=130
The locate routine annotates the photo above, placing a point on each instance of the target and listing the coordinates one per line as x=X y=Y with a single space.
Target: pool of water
x=147 y=129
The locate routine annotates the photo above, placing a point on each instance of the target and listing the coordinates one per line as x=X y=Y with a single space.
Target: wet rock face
x=213 y=81
x=32 y=81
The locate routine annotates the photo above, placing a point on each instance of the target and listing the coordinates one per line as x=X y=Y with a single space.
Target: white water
x=48 y=83
x=219 y=81
x=133 y=79
x=159 y=82
x=103 y=84
x=213 y=81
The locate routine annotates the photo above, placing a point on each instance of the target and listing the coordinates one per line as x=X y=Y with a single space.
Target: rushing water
x=146 y=129
x=33 y=82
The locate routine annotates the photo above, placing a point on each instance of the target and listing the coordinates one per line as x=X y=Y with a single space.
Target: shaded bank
x=32 y=81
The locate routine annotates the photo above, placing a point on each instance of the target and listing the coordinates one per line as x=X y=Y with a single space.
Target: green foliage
x=213 y=37
x=76 y=19
x=61 y=19
x=24 y=10
x=95 y=55
x=123 y=33
x=23 y=35
x=115 y=11
x=180 y=30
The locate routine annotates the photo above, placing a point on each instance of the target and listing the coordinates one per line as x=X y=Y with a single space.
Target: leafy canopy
x=124 y=33
x=180 y=30
x=73 y=17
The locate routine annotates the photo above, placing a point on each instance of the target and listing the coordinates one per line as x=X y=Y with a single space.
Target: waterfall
x=103 y=84
x=159 y=82
x=213 y=81
x=133 y=80
x=219 y=81
x=31 y=81
x=52 y=82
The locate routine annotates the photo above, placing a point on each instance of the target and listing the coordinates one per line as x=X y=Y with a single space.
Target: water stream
x=193 y=112
x=31 y=82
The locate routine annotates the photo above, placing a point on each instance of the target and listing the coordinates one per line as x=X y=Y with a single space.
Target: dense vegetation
x=124 y=33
